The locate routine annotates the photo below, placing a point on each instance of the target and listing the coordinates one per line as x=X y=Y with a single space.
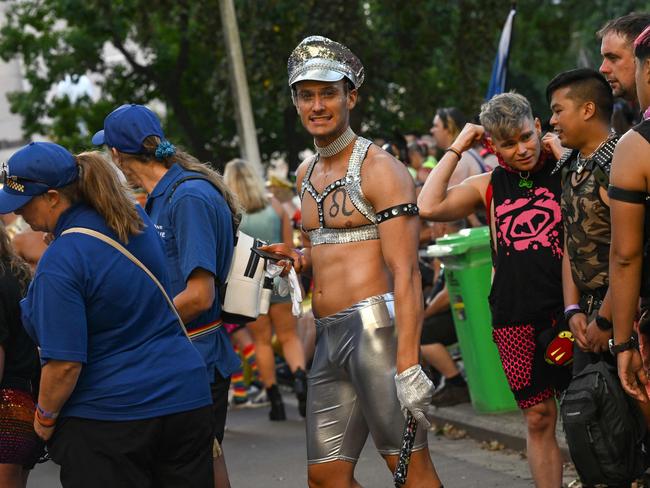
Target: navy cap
x=126 y=127
x=34 y=169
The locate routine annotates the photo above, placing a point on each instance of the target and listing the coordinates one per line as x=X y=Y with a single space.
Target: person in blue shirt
x=115 y=403
x=194 y=218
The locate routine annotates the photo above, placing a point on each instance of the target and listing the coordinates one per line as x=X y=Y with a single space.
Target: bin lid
x=460 y=243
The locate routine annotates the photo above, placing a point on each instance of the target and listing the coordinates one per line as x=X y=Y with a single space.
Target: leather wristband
x=455 y=151
x=603 y=323
x=623 y=346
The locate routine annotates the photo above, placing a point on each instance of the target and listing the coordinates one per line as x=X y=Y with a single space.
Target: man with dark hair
x=616 y=48
x=360 y=228
x=581 y=102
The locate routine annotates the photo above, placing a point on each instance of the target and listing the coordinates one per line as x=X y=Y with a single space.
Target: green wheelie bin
x=466 y=257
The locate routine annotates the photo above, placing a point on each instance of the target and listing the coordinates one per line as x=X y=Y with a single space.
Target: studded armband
x=396 y=211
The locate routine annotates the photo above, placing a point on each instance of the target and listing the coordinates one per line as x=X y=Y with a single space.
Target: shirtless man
x=361 y=234
x=522 y=199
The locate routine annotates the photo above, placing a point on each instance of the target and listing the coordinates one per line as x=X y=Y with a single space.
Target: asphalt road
x=272 y=455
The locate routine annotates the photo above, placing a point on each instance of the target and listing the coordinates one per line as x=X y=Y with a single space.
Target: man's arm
x=436 y=201
x=387 y=183
x=626 y=254
x=578 y=322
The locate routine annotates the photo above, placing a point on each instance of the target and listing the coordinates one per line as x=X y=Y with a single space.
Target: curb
x=507 y=428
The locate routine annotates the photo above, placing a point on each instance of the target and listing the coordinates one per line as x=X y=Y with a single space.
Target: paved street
x=272 y=454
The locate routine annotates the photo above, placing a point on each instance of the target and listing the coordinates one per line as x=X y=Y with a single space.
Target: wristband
x=455 y=151
x=572 y=312
x=603 y=323
x=45 y=422
x=573 y=306
x=45 y=414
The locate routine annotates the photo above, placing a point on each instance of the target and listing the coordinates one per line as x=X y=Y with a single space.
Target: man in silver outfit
x=360 y=228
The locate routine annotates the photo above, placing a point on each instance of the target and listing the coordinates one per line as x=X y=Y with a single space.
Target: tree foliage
x=418 y=55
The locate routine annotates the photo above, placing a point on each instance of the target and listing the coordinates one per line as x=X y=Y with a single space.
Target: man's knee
x=541 y=418
x=332 y=474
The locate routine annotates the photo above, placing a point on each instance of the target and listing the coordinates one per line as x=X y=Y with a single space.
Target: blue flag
x=500 y=65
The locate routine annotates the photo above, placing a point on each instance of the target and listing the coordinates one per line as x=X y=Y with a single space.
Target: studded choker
x=341 y=142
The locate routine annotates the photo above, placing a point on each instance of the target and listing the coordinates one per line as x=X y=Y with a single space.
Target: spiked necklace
x=583 y=161
x=341 y=142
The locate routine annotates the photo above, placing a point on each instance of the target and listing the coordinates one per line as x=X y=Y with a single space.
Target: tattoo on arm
x=336 y=207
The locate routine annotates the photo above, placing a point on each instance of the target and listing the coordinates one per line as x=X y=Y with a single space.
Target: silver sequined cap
x=321 y=59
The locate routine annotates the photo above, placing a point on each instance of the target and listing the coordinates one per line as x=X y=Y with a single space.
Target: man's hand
x=632 y=374
x=298 y=257
x=414 y=391
x=470 y=134
x=597 y=338
x=578 y=326
x=551 y=143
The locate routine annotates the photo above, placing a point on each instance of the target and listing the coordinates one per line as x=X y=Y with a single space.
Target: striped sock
x=249 y=357
x=239 y=386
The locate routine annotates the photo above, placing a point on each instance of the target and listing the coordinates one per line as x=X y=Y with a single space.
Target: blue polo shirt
x=89 y=303
x=195 y=225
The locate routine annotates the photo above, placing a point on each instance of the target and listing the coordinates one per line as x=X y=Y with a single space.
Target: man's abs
x=345 y=274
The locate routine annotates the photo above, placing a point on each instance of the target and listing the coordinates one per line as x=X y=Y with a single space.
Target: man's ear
x=588 y=110
x=489 y=143
x=352 y=98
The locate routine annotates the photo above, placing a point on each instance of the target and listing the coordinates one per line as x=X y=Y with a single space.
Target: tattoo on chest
x=339 y=203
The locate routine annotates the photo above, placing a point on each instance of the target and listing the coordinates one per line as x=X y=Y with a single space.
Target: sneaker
x=258 y=398
x=449 y=395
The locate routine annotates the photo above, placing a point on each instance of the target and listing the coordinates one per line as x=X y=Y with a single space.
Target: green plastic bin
x=468 y=269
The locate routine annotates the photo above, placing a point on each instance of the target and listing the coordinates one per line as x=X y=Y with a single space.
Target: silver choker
x=341 y=142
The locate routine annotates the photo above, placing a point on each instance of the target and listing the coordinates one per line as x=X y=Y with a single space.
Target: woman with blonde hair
x=116 y=410
x=266 y=219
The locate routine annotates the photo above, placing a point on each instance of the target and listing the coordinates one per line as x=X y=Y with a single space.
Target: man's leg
x=421 y=473
x=544 y=456
x=333 y=474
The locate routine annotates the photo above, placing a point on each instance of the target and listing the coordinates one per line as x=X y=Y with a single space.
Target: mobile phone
x=272 y=256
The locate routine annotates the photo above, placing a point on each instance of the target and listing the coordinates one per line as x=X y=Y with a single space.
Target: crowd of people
x=113 y=351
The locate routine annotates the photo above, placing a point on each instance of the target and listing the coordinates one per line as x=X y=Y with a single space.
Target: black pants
x=219 y=391
x=173 y=451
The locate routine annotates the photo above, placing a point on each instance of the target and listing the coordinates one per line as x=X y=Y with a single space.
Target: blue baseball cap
x=33 y=170
x=126 y=127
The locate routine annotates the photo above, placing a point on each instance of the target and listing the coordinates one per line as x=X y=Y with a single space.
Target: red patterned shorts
x=531 y=379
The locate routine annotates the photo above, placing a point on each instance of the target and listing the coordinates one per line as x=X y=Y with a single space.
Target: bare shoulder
x=383 y=173
x=631 y=162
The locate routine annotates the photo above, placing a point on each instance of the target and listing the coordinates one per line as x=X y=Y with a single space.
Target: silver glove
x=414 y=391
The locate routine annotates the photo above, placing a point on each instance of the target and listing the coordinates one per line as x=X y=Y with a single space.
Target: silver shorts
x=352 y=386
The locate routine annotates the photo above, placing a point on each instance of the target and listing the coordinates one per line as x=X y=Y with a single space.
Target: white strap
x=123 y=250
